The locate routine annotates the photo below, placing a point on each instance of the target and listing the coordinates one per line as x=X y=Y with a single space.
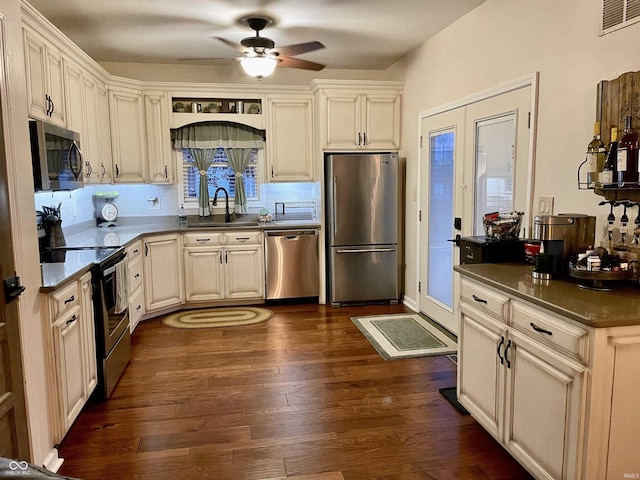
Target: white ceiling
x=358 y=34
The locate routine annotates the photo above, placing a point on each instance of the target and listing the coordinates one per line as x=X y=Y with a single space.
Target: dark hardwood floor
x=302 y=396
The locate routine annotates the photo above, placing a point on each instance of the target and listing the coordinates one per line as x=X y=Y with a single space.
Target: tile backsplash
x=141 y=200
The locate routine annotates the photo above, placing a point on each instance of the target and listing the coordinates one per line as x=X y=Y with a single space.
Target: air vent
x=617 y=14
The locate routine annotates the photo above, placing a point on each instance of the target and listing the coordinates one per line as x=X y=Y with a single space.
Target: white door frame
x=530 y=80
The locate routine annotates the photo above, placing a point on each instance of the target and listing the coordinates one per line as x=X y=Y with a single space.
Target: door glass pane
x=440 y=217
x=494 y=147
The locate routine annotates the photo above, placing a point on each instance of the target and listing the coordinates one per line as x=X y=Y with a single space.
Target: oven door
x=112 y=319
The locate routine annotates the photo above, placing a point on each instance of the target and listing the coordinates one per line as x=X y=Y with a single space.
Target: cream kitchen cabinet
x=136 y=283
x=522 y=375
x=223 y=266
x=70 y=348
x=97 y=147
x=45 y=78
x=128 y=135
x=290 y=138
x=161 y=169
x=361 y=116
x=163 y=286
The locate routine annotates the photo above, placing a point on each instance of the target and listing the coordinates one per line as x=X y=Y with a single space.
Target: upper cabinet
x=157 y=117
x=289 y=138
x=128 y=135
x=45 y=82
x=359 y=115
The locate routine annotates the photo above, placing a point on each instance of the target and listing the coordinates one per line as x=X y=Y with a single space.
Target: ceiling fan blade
x=297 y=49
x=235 y=46
x=289 y=62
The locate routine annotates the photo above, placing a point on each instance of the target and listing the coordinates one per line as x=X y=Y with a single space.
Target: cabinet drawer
x=203 y=239
x=136 y=306
x=65 y=299
x=135 y=274
x=134 y=250
x=243 y=238
x=484 y=299
x=554 y=331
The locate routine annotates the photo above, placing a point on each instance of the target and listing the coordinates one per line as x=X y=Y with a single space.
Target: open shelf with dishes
x=187 y=110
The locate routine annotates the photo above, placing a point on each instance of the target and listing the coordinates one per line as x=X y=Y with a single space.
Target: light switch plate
x=545 y=205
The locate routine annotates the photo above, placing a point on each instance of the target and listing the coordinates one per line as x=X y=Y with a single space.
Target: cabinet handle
x=220 y=257
x=53 y=107
x=540 y=330
x=137 y=275
x=359 y=138
x=46 y=101
x=104 y=170
x=203 y=240
x=70 y=299
x=226 y=256
x=364 y=138
x=506 y=350
x=89 y=169
x=479 y=300
x=117 y=171
x=166 y=172
x=500 y=346
x=138 y=307
x=146 y=250
x=242 y=239
x=135 y=252
x=271 y=171
x=72 y=319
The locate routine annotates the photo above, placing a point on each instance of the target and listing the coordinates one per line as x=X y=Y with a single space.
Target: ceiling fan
x=261 y=56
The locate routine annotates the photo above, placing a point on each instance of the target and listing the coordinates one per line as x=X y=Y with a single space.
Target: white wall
x=502 y=40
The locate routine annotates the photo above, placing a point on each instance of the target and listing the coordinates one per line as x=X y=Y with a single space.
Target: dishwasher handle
x=291 y=234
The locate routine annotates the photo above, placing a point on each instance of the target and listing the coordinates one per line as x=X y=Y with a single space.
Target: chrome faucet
x=227 y=215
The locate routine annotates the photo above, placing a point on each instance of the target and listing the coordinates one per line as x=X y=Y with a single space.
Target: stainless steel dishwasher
x=292 y=264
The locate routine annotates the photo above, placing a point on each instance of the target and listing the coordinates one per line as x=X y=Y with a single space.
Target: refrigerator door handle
x=335 y=209
x=365 y=250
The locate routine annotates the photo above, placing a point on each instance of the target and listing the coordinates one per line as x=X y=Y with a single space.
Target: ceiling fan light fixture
x=260 y=66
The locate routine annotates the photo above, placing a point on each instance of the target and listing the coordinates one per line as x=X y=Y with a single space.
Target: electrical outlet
x=545 y=205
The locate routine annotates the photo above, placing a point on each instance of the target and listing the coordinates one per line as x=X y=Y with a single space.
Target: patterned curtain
x=239 y=159
x=203 y=158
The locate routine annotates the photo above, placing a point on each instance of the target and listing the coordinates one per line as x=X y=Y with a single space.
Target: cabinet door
x=244 y=272
x=88 y=337
x=342 y=120
x=203 y=274
x=67 y=338
x=45 y=87
x=75 y=106
x=544 y=409
x=381 y=121
x=95 y=144
x=128 y=136
x=157 y=111
x=290 y=139
x=481 y=368
x=162 y=272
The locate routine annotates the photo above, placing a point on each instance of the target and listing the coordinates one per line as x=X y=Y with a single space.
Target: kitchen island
x=549 y=369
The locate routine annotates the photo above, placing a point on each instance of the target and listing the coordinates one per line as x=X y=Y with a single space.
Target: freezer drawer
x=292 y=264
x=364 y=274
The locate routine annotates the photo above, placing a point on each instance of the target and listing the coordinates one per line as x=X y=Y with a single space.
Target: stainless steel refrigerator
x=362 y=213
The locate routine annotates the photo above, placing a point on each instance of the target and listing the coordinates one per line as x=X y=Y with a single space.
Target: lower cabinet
x=527 y=388
x=71 y=351
x=223 y=266
x=136 y=283
x=162 y=271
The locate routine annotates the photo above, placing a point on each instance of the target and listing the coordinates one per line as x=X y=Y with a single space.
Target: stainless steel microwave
x=56 y=157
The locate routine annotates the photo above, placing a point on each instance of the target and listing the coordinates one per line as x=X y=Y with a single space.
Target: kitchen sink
x=218 y=221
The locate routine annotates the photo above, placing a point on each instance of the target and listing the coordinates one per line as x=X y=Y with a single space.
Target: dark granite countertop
x=563 y=296
x=129 y=229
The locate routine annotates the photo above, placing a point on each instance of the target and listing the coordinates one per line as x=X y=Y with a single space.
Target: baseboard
x=409 y=303
x=52 y=461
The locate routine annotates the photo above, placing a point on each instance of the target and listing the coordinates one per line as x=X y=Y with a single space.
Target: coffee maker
x=562 y=237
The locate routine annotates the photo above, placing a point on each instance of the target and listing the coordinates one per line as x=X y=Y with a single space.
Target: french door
x=474 y=160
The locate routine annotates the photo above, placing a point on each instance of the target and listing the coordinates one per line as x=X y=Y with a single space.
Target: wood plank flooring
x=303 y=396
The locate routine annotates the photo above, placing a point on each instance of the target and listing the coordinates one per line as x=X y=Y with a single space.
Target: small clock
x=108 y=212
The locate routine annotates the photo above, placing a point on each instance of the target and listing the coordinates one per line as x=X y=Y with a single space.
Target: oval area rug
x=217 y=317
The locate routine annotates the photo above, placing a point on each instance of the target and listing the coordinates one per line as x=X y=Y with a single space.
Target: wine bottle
x=627 y=163
x=609 y=168
x=596 y=154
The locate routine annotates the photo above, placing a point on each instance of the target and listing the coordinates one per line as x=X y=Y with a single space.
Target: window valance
x=216 y=135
